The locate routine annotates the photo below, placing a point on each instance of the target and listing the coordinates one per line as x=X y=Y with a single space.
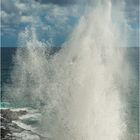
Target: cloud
x=26 y=19
x=54 y=19
x=51 y=21
x=10 y=19
x=8 y=6
x=9 y=12
x=57 y=23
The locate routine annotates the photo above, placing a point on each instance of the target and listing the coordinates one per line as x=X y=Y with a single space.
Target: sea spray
x=29 y=71
x=85 y=95
x=80 y=90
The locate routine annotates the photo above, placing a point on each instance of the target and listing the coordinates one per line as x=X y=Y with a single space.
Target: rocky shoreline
x=11 y=130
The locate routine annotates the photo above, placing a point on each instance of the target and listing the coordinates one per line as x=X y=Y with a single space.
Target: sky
x=54 y=20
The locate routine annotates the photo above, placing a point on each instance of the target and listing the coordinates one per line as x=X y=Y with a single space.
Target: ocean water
x=7 y=63
x=8 y=55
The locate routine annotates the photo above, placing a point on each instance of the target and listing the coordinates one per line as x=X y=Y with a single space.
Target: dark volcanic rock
x=10 y=130
x=7 y=126
x=12 y=115
x=4 y=132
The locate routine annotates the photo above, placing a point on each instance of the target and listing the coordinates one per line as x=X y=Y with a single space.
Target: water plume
x=80 y=89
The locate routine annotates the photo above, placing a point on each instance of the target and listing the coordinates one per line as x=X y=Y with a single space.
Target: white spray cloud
x=81 y=89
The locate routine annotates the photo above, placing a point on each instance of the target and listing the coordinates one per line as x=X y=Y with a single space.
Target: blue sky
x=54 y=20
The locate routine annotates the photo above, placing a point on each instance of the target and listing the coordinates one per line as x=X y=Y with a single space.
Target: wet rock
x=7 y=126
x=10 y=130
x=27 y=135
x=5 y=131
x=12 y=115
